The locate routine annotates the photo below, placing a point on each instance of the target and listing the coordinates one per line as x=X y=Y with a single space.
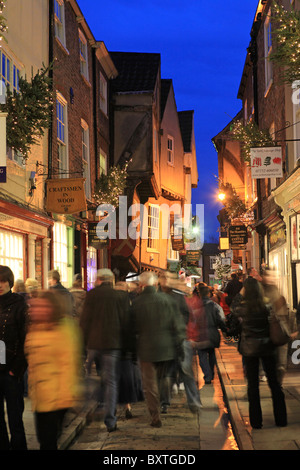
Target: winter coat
x=53 y=354
x=159 y=326
x=255 y=333
x=197 y=330
x=67 y=298
x=215 y=321
x=104 y=320
x=79 y=298
x=232 y=289
x=13 y=324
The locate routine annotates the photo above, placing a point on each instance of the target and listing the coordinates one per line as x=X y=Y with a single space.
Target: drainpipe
x=51 y=36
x=254 y=59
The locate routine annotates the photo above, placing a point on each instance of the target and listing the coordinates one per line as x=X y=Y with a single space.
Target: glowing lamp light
x=221 y=196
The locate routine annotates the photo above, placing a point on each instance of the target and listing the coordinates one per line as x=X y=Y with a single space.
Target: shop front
x=24 y=241
x=287 y=196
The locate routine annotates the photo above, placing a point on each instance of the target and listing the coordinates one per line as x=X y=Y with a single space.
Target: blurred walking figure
x=67 y=297
x=130 y=384
x=104 y=321
x=182 y=368
x=13 y=322
x=233 y=288
x=279 y=306
x=79 y=294
x=160 y=335
x=19 y=288
x=53 y=351
x=255 y=345
x=215 y=320
x=32 y=287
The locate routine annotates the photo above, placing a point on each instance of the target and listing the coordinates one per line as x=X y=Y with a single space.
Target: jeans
x=207 y=360
x=11 y=390
x=186 y=369
x=252 y=372
x=166 y=373
x=110 y=362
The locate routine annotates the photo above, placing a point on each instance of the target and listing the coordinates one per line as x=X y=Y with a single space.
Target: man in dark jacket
x=104 y=322
x=160 y=334
x=13 y=321
x=66 y=296
x=233 y=288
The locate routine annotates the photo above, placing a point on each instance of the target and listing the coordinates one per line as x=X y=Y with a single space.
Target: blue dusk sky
x=203 y=49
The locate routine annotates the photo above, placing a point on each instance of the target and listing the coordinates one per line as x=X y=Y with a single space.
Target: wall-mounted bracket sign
x=65 y=195
x=238 y=236
x=266 y=162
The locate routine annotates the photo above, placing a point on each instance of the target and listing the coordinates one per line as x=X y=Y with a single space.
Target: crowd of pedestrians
x=142 y=342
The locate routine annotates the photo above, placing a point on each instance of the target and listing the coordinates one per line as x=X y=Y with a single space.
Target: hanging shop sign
x=238 y=236
x=224 y=243
x=277 y=237
x=192 y=257
x=94 y=240
x=266 y=162
x=177 y=243
x=65 y=195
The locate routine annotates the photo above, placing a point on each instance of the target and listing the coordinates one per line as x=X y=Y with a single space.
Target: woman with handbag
x=255 y=344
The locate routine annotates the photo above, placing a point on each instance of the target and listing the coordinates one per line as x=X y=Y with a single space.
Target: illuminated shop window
x=91 y=267
x=60 y=246
x=12 y=252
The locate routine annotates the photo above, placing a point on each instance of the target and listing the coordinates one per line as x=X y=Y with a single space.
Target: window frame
x=62 y=141
x=83 y=55
x=103 y=95
x=59 y=21
x=267 y=52
x=102 y=157
x=170 y=151
x=153 y=228
x=85 y=141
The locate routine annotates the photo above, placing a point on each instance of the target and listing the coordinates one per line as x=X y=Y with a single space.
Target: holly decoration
x=29 y=112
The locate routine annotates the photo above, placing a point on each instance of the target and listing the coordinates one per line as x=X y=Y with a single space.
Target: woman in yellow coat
x=53 y=351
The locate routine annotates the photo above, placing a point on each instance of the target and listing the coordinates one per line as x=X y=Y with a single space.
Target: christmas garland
x=250 y=136
x=286 y=53
x=3 y=26
x=29 y=112
x=234 y=206
x=109 y=187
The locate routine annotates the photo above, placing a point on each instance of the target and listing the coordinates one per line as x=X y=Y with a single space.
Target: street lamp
x=221 y=196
